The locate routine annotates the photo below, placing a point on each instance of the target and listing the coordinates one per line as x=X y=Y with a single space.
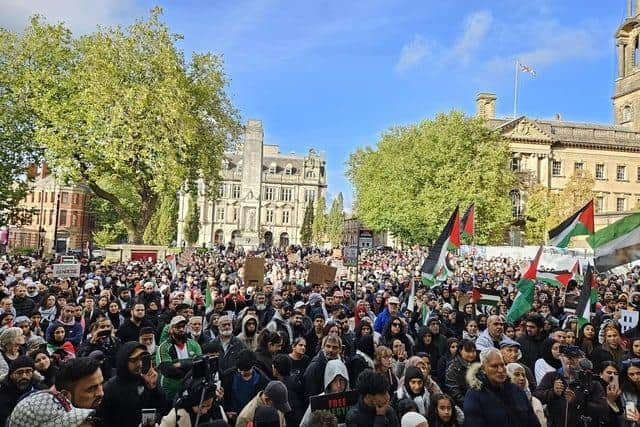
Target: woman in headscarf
x=550 y=360
x=413 y=389
x=517 y=375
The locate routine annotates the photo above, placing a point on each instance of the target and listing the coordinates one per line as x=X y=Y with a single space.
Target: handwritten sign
x=628 y=319
x=336 y=403
x=351 y=256
x=254 y=272
x=66 y=270
x=320 y=274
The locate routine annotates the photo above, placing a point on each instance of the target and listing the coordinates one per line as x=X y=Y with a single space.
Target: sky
x=334 y=75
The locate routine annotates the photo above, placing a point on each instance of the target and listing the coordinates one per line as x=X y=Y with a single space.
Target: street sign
x=66 y=270
x=350 y=256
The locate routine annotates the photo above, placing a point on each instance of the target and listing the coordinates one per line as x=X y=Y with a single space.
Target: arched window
x=288 y=170
x=273 y=168
x=516 y=204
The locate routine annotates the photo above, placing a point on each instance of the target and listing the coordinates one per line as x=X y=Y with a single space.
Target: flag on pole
x=526 y=69
x=584 y=304
x=616 y=244
x=526 y=289
x=483 y=296
x=555 y=278
x=467 y=226
x=434 y=269
x=578 y=224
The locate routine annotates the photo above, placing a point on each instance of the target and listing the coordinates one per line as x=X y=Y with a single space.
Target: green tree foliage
x=546 y=209
x=108 y=228
x=192 y=222
x=168 y=220
x=306 y=231
x=335 y=221
x=319 y=221
x=413 y=179
x=122 y=110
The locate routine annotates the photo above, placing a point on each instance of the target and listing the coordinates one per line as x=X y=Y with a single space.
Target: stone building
x=262 y=196
x=548 y=152
x=73 y=229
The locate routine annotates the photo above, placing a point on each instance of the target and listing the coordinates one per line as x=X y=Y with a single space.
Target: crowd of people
x=140 y=343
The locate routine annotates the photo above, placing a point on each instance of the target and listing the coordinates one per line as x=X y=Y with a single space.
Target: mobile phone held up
x=148 y=417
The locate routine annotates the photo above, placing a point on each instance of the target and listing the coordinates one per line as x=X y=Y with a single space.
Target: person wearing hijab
x=413 y=389
x=550 y=360
x=517 y=375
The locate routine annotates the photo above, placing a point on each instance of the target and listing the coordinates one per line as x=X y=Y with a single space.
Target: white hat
x=412 y=419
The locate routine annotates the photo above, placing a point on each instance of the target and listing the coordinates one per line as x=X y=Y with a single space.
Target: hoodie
x=335 y=368
x=126 y=394
x=250 y=341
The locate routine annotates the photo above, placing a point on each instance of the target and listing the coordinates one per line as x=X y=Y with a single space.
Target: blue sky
x=335 y=74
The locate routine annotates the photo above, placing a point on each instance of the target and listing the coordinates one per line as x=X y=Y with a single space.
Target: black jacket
x=455 y=381
x=128 y=331
x=361 y=415
x=125 y=395
x=24 y=306
x=314 y=375
x=532 y=349
x=10 y=396
x=229 y=358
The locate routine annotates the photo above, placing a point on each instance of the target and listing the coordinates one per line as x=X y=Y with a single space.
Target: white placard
x=66 y=270
x=628 y=319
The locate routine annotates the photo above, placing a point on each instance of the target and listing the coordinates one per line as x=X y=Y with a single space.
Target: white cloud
x=413 y=53
x=81 y=16
x=475 y=32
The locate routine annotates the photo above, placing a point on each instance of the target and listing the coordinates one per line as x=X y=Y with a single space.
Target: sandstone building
x=549 y=151
x=262 y=195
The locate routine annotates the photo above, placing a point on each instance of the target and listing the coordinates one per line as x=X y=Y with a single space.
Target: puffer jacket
x=486 y=405
x=455 y=381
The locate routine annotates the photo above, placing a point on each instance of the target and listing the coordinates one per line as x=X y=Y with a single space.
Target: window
x=310 y=195
x=235 y=214
x=45 y=196
x=600 y=204
x=556 y=168
x=626 y=113
x=638 y=174
x=286 y=194
x=620 y=204
x=236 y=191
x=74 y=198
x=220 y=214
x=39 y=196
x=33 y=195
x=269 y=193
x=65 y=197
x=578 y=166
x=74 y=220
x=285 y=217
x=52 y=198
x=273 y=168
x=621 y=173
x=63 y=218
x=310 y=174
x=221 y=190
x=288 y=170
x=51 y=217
x=515 y=164
x=516 y=204
x=269 y=217
x=599 y=171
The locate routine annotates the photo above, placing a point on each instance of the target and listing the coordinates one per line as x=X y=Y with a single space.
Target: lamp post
x=55 y=228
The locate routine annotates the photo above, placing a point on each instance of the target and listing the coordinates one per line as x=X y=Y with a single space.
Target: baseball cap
x=178 y=319
x=266 y=415
x=298 y=305
x=47 y=409
x=277 y=392
x=393 y=300
x=571 y=351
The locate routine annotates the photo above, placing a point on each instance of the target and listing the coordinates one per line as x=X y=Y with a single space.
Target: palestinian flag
x=584 y=304
x=486 y=296
x=576 y=273
x=467 y=223
x=555 y=278
x=578 y=224
x=526 y=290
x=616 y=244
x=435 y=269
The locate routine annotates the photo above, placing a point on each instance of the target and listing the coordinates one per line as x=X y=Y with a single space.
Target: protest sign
x=66 y=270
x=628 y=319
x=254 y=272
x=351 y=256
x=315 y=273
x=336 y=403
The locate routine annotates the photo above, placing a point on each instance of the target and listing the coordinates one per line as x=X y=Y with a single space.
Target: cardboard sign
x=351 y=256
x=254 y=272
x=293 y=258
x=628 y=319
x=66 y=270
x=336 y=403
x=337 y=253
x=320 y=274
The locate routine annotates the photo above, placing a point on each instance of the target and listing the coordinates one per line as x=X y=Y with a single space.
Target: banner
x=336 y=403
x=66 y=270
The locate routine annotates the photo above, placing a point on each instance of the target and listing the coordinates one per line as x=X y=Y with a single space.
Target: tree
x=538 y=210
x=335 y=221
x=575 y=194
x=123 y=111
x=192 y=221
x=306 y=231
x=319 y=221
x=413 y=179
x=108 y=228
x=168 y=220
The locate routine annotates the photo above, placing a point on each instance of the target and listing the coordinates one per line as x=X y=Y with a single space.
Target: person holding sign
x=336 y=380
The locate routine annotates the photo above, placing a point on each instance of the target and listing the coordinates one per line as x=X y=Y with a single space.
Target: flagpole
x=515 y=91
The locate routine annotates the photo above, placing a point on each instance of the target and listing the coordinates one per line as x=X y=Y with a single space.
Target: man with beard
x=531 y=342
x=248 y=334
x=265 y=313
x=281 y=323
x=19 y=382
x=148 y=294
x=125 y=299
x=314 y=375
x=80 y=380
x=131 y=390
x=67 y=320
x=230 y=345
x=315 y=335
x=130 y=329
x=23 y=304
x=148 y=339
x=194 y=331
x=175 y=355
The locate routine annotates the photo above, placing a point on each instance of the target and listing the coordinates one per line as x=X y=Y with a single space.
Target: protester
x=374 y=404
x=336 y=380
x=19 y=381
x=274 y=395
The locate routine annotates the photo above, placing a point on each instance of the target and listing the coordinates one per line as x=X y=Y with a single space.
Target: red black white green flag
x=578 y=224
x=467 y=223
x=435 y=268
x=526 y=290
x=483 y=296
x=555 y=278
x=584 y=303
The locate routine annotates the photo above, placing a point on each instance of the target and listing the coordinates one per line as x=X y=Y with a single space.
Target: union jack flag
x=526 y=69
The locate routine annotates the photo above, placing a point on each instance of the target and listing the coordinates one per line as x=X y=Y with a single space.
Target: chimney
x=44 y=170
x=486 y=105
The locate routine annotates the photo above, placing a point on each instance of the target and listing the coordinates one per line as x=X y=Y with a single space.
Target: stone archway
x=284 y=240
x=268 y=238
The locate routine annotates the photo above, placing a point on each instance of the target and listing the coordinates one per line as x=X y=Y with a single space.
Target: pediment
x=524 y=129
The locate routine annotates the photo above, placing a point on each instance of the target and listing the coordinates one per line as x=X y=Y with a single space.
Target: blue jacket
x=381 y=320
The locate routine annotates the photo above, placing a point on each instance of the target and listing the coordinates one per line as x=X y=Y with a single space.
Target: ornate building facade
x=548 y=152
x=262 y=195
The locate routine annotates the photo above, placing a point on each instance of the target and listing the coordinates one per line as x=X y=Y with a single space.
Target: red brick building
x=73 y=229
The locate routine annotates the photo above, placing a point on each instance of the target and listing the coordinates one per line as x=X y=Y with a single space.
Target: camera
x=204 y=368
